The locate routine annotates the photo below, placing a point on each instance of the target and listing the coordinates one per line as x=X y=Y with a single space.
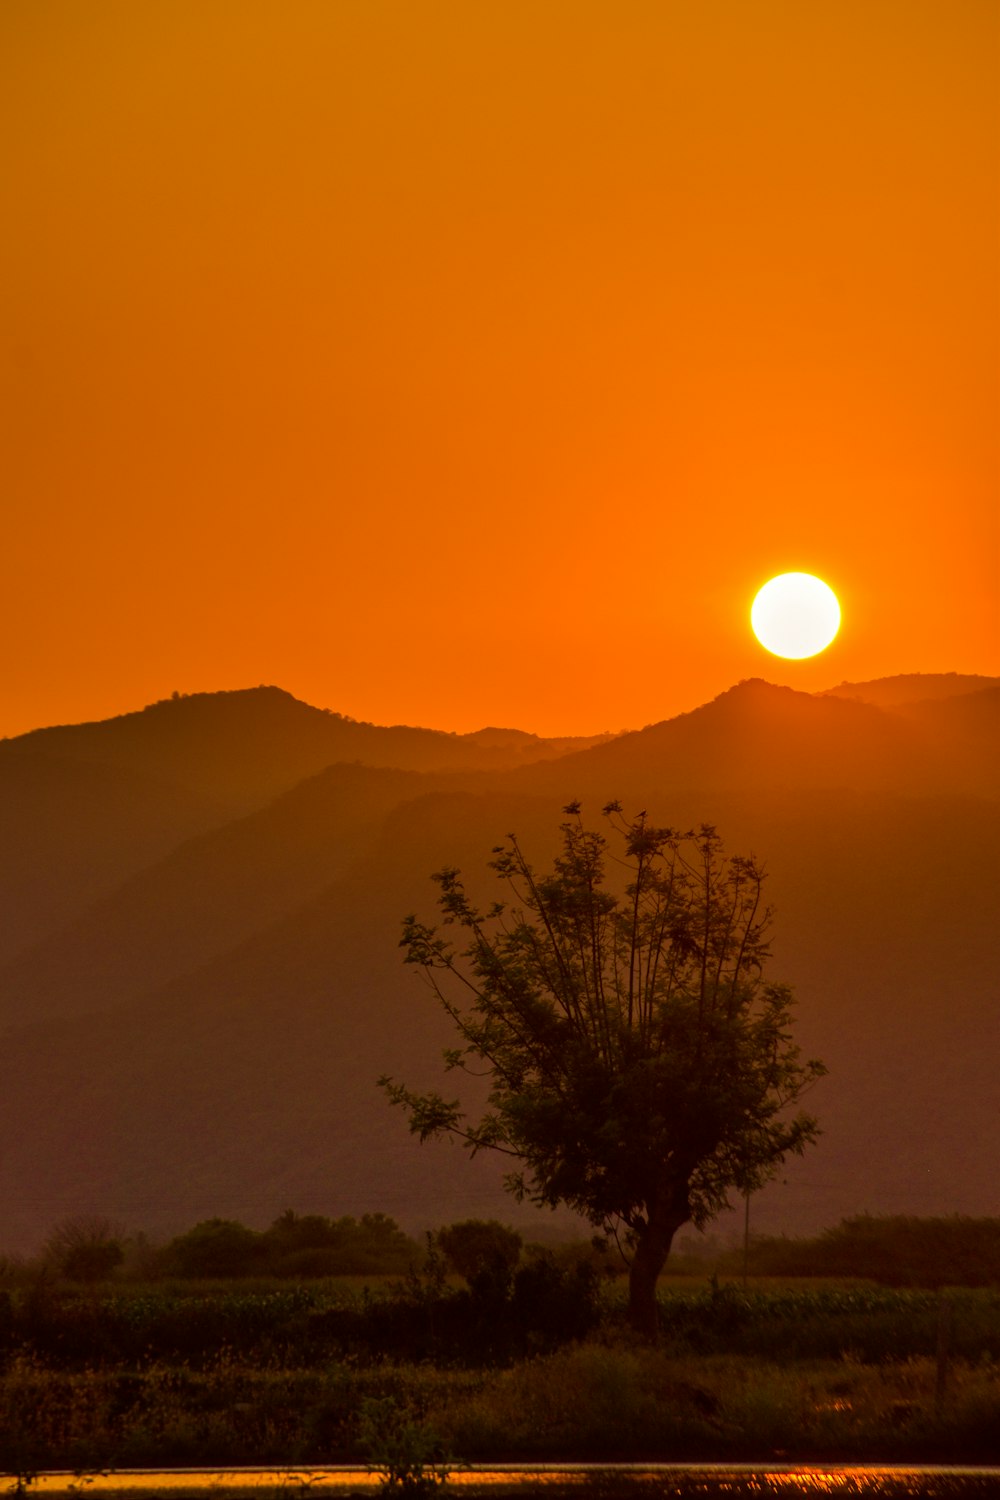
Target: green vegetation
x=321 y=1375
x=480 y=1250
x=405 y=1447
x=487 y=1350
x=594 y=1402
x=896 y=1251
x=86 y=1248
x=640 y=1066
x=893 y=1251
x=89 y=1248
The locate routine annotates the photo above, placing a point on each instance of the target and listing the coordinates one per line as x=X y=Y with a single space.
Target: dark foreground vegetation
x=640 y=1066
x=894 y=1251
x=93 y=1248
x=484 y=1351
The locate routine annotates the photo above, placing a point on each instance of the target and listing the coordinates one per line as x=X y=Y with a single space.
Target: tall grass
x=594 y=1401
x=282 y=1375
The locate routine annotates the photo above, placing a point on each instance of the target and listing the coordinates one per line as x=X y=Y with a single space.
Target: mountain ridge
x=236 y=998
x=911 y=687
x=169 y=728
x=178 y=768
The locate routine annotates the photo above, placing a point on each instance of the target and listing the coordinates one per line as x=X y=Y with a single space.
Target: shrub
x=482 y=1251
x=311 y=1245
x=402 y=1445
x=893 y=1250
x=216 y=1247
x=87 y=1247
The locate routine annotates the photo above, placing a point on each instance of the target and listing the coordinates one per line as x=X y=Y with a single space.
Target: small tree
x=88 y=1247
x=482 y=1251
x=640 y=1065
x=215 y=1247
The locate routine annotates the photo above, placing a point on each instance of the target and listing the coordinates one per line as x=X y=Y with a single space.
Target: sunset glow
x=463 y=364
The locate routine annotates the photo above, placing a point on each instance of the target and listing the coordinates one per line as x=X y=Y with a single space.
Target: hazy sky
x=475 y=361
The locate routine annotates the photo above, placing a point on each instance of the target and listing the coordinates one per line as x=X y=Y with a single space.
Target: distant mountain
x=912 y=687
x=518 y=746
x=965 y=733
x=242 y=748
x=972 y=715
x=235 y=1001
x=756 y=737
x=219 y=888
x=70 y=830
x=211 y=892
x=85 y=806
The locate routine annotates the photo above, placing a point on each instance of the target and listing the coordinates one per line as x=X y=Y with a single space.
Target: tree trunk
x=650 y=1256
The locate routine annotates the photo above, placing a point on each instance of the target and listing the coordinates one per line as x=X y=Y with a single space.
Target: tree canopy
x=480 y=1250
x=641 y=1066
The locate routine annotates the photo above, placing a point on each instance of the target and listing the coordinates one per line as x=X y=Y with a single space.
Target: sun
x=795 y=615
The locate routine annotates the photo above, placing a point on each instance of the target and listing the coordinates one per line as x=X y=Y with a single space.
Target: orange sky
x=454 y=363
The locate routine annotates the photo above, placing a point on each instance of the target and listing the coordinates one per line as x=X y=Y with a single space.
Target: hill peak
x=757 y=687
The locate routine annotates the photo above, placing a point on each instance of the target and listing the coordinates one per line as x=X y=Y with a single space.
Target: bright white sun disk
x=795 y=615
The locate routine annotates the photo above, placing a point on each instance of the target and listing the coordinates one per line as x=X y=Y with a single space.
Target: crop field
x=353 y=1369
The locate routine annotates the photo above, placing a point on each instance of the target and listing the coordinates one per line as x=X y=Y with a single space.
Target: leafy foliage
x=641 y=1067
x=215 y=1247
x=87 y=1247
x=311 y=1245
x=403 y=1447
x=896 y=1250
x=295 y=1246
x=481 y=1250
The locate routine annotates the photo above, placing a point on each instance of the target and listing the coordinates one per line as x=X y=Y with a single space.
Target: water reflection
x=575 y=1482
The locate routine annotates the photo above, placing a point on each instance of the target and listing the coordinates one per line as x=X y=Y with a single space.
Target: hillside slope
x=71 y=831
x=207 y=895
x=756 y=738
x=244 y=747
x=84 y=807
x=912 y=687
x=246 y=1083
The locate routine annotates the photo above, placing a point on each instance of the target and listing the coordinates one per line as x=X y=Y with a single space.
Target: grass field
x=350 y=1370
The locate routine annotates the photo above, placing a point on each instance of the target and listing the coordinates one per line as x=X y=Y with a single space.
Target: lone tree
x=640 y=1065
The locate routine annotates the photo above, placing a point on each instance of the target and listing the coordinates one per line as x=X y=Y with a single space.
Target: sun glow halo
x=795 y=615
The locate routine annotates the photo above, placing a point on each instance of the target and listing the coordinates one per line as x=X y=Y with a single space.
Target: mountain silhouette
x=85 y=806
x=756 y=737
x=205 y=1039
x=244 y=747
x=71 y=830
x=210 y=893
x=912 y=687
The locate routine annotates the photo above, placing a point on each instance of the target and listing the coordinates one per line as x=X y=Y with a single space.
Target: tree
x=640 y=1065
x=481 y=1250
x=215 y=1247
x=311 y=1245
x=87 y=1247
